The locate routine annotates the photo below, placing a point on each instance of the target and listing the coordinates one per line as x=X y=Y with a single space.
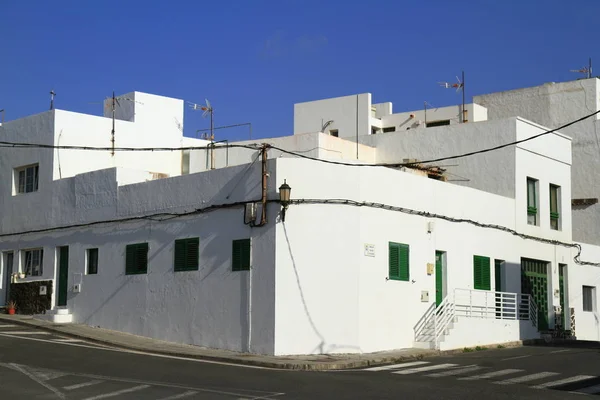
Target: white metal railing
x=473 y=304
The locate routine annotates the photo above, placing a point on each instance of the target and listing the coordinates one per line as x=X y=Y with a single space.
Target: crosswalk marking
x=81 y=385
x=589 y=390
x=527 y=378
x=26 y=333
x=118 y=393
x=423 y=369
x=456 y=371
x=494 y=374
x=7 y=326
x=407 y=364
x=180 y=396
x=572 y=379
x=69 y=340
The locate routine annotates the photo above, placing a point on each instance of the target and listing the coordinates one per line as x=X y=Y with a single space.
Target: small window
x=481 y=273
x=532 y=210
x=185 y=162
x=240 y=255
x=92 y=261
x=589 y=298
x=389 y=129
x=374 y=130
x=398 y=268
x=554 y=207
x=334 y=132
x=26 y=179
x=33 y=260
x=186 y=254
x=136 y=259
x=498 y=274
x=437 y=123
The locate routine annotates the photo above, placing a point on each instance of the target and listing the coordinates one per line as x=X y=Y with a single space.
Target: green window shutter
x=180 y=254
x=136 y=259
x=240 y=255
x=192 y=255
x=481 y=273
x=404 y=264
x=394 y=261
x=186 y=254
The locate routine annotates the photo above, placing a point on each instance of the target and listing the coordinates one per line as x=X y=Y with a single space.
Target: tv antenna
x=52 y=94
x=208 y=110
x=114 y=101
x=585 y=70
x=459 y=86
x=2 y=118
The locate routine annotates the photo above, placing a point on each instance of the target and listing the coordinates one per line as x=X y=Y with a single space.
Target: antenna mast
x=458 y=86
x=208 y=110
x=52 y=94
x=585 y=70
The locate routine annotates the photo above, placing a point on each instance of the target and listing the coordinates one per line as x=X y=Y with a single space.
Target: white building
x=364 y=255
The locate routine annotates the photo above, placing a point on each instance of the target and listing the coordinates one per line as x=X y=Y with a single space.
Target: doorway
x=63 y=275
x=440 y=287
x=7 y=270
x=534 y=281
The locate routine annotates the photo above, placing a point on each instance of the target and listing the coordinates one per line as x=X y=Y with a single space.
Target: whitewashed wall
x=587 y=323
x=325 y=277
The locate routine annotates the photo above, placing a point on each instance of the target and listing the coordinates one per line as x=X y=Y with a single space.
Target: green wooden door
x=563 y=303
x=534 y=281
x=63 y=275
x=439 y=278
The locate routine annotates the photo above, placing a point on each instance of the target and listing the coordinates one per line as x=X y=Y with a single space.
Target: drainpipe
x=263 y=217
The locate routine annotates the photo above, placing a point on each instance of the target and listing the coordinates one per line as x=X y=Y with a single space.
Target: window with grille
x=26 y=179
x=136 y=259
x=186 y=254
x=532 y=205
x=554 y=207
x=398 y=267
x=589 y=298
x=33 y=260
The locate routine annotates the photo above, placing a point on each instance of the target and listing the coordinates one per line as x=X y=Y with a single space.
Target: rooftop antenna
x=52 y=94
x=460 y=85
x=585 y=70
x=113 y=103
x=2 y=118
x=208 y=110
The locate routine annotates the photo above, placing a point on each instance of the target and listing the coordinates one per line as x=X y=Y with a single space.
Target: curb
x=306 y=366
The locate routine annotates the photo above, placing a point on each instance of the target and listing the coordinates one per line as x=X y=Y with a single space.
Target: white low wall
x=470 y=332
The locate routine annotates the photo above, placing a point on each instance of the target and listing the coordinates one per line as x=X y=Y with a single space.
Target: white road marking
x=26 y=333
x=527 y=378
x=69 y=340
x=589 y=390
x=118 y=393
x=572 y=379
x=101 y=347
x=8 y=326
x=515 y=358
x=491 y=374
x=423 y=369
x=51 y=388
x=559 y=351
x=456 y=371
x=179 y=396
x=81 y=385
x=386 y=367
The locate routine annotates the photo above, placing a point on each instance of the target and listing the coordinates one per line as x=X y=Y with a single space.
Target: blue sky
x=254 y=59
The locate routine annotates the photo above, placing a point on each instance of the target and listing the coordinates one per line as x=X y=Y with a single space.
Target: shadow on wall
x=322 y=347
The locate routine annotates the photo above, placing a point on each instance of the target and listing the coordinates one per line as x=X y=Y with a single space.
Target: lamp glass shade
x=284 y=192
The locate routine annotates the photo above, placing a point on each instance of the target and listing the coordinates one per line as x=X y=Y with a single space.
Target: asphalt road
x=43 y=366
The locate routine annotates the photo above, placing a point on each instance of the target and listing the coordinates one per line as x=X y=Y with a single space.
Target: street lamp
x=284 y=198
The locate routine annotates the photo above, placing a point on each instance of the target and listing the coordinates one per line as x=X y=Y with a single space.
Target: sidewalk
x=307 y=363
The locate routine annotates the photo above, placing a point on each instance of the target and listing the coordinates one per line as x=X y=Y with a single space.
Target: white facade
x=318 y=282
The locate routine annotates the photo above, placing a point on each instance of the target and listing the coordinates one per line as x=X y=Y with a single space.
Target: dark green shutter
x=481 y=273
x=394 y=261
x=498 y=275
x=399 y=262
x=240 y=255
x=180 y=254
x=136 y=259
x=186 y=254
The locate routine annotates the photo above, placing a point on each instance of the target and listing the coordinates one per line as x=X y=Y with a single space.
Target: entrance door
x=563 y=298
x=439 y=277
x=63 y=275
x=534 y=281
x=7 y=270
x=498 y=273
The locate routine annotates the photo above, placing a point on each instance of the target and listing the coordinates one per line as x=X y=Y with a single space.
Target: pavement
x=301 y=362
x=40 y=365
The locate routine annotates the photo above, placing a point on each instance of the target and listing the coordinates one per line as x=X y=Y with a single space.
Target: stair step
x=62 y=311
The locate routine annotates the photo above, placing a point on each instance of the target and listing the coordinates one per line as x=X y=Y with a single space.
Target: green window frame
x=554 y=207
x=136 y=259
x=481 y=273
x=399 y=266
x=532 y=211
x=186 y=254
x=240 y=255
